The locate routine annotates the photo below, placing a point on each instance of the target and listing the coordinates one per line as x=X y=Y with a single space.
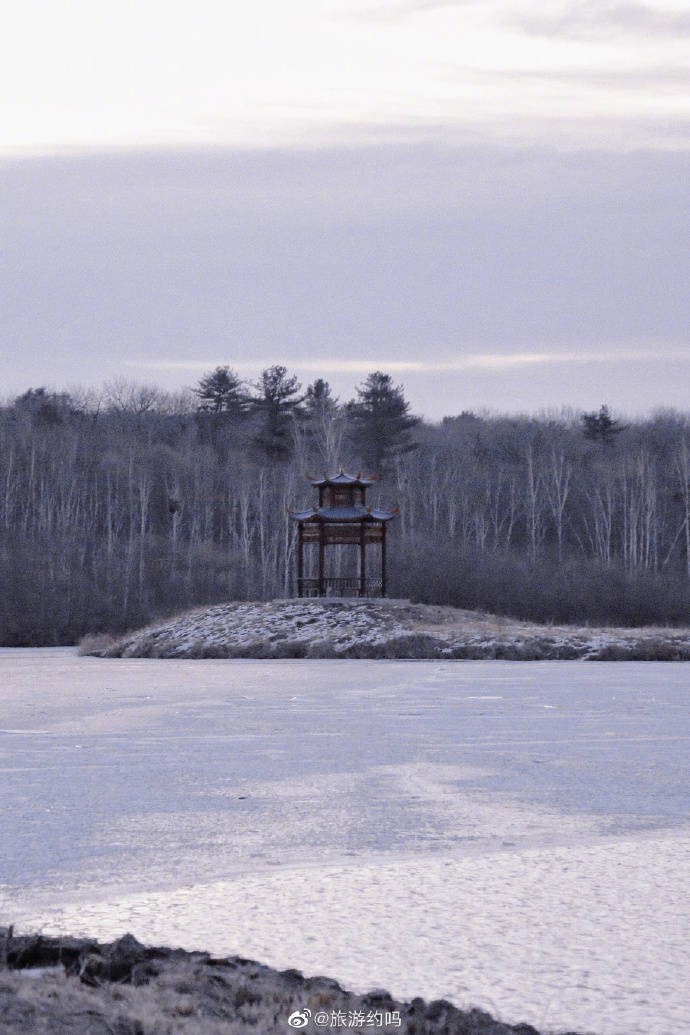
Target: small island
x=380 y=628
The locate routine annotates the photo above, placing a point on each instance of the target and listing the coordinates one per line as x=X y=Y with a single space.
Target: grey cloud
x=399 y=251
x=650 y=79
x=635 y=78
x=594 y=19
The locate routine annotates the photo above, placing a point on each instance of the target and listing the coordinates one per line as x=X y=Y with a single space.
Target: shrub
x=95 y=644
x=573 y=592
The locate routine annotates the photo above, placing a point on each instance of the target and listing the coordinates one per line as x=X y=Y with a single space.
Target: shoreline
x=50 y=983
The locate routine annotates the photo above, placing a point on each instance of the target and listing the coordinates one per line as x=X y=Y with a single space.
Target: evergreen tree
x=601 y=427
x=319 y=401
x=380 y=421
x=221 y=391
x=276 y=405
x=46 y=407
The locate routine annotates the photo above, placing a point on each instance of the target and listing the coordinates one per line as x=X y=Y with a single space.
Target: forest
x=124 y=504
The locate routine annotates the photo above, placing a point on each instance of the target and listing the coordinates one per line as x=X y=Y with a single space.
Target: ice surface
x=511 y=835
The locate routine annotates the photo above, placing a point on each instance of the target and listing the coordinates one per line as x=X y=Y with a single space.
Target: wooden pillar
x=322 y=585
x=300 y=559
x=362 y=559
x=383 y=560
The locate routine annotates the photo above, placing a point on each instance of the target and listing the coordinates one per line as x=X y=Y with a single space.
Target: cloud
x=583 y=19
x=649 y=78
x=472 y=361
x=592 y=19
x=494 y=275
x=400 y=9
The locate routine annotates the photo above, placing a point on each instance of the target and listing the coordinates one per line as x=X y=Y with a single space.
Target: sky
x=487 y=200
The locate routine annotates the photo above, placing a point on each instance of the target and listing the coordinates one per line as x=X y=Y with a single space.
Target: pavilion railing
x=339 y=587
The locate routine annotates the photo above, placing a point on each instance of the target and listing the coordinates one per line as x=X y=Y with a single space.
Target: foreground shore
x=505 y=836
x=56 y=986
x=377 y=628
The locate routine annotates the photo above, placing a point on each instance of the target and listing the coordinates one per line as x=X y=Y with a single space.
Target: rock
x=379 y=997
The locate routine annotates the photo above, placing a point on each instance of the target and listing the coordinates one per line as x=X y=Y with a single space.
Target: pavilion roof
x=344 y=479
x=343 y=514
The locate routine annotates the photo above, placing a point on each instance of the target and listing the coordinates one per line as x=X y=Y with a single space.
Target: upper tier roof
x=344 y=479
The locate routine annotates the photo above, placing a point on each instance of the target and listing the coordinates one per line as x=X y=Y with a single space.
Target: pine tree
x=221 y=391
x=46 y=407
x=319 y=401
x=276 y=405
x=381 y=422
x=601 y=427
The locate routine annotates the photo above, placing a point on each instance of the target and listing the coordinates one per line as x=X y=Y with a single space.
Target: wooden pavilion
x=341 y=518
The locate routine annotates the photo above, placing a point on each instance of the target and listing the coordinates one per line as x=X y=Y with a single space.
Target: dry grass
x=95 y=643
x=54 y=1004
x=128 y=989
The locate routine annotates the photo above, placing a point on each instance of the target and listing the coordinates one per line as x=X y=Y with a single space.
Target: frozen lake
x=506 y=834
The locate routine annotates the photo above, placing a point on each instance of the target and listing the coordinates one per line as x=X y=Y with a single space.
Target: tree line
x=122 y=505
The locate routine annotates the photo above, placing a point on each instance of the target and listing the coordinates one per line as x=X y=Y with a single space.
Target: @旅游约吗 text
x=345 y=1018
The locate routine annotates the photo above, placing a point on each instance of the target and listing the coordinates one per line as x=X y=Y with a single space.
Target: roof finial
x=341 y=471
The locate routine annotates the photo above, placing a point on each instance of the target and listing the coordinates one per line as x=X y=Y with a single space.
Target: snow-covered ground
x=508 y=834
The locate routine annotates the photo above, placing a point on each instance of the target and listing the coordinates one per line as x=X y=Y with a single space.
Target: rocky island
x=381 y=628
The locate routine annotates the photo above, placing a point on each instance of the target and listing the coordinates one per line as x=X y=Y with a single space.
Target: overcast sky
x=488 y=200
